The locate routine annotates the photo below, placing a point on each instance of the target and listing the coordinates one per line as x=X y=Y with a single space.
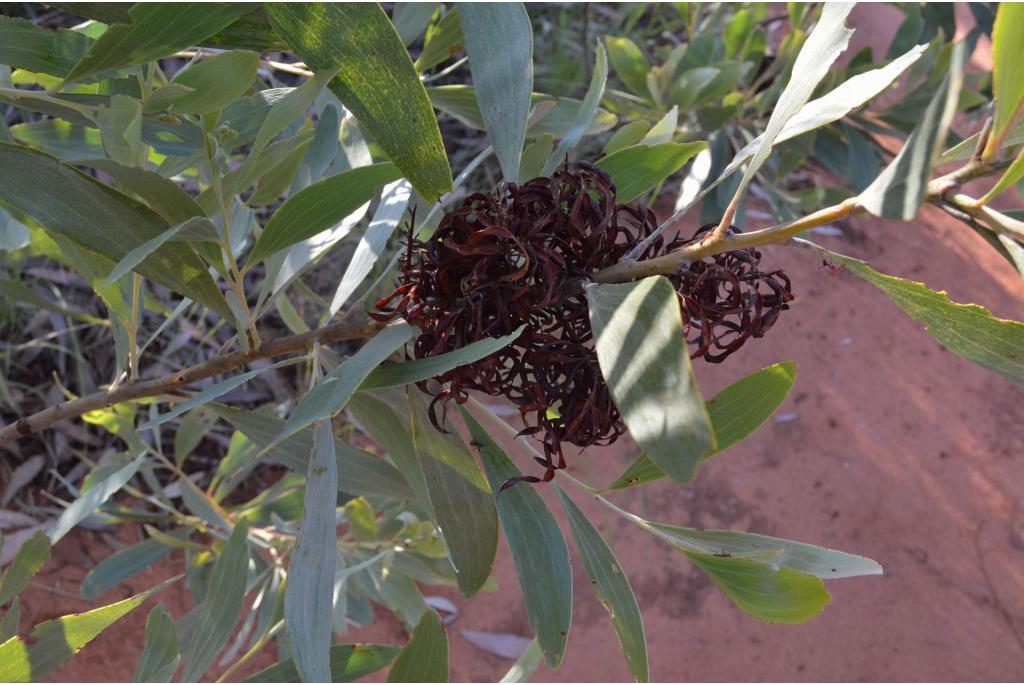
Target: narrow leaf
x=612 y=587
x=309 y=594
x=775 y=595
x=222 y=607
x=460 y=102
x=135 y=257
x=835 y=104
x=411 y=19
x=735 y=412
x=525 y=665
x=460 y=498
x=638 y=168
x=215 y=83
x=51 y=643
x=629 y=63
x=899 y=191
x=65 y=201
x=155 y=31
x=376 y=82
x=358 y=471
x=30 y=558
x=538 y=548
x=417 y=370
x=160 y=657
x=638 y=332
x=966 y=329
x=1007 y=68
x=393 y=201
x=199 y=399
x=424 y=659
x=826 y=42
x=122 y=565
x=587 y=111
x=499 y=42
x=95 y=497
x=819 y=562
x=23 y=45
x=320 y=206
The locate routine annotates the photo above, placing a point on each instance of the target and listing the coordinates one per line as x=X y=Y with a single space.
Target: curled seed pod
x=517 y=256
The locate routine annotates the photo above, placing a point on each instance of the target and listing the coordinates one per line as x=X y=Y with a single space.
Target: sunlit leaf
x=629 y=63
x=611 y=585
x=1007 y=68
x=320 y=206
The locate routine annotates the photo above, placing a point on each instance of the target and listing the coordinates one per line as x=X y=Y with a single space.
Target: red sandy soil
x=899 y=450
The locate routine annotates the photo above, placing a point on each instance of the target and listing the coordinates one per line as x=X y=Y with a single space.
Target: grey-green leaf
x=222 y=607
x=525 y=665
x=135 y=257
x=638 y=168
x=358 y=471
x=160 y=657
x=899 y=191
x=121 y=566
x=820 y=562
x=93 y=498
x=23 y=45
x=416 y=370
x=411 y=18
x=206 y=395
x=320 y=206
x=775 y=595
x=499 y=42
x=585 y=115
x=309 y=595
x=156 y=30
x=376 y=82
x=638 y=332
x=64 y=200
x=424 y=659
x=538 y=547
x=460 y=102
x=460 y=498
x=966 y=329
x=612 y=587
x=215 y=83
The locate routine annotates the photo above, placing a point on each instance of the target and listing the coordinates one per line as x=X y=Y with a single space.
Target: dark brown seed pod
x=517 y=256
